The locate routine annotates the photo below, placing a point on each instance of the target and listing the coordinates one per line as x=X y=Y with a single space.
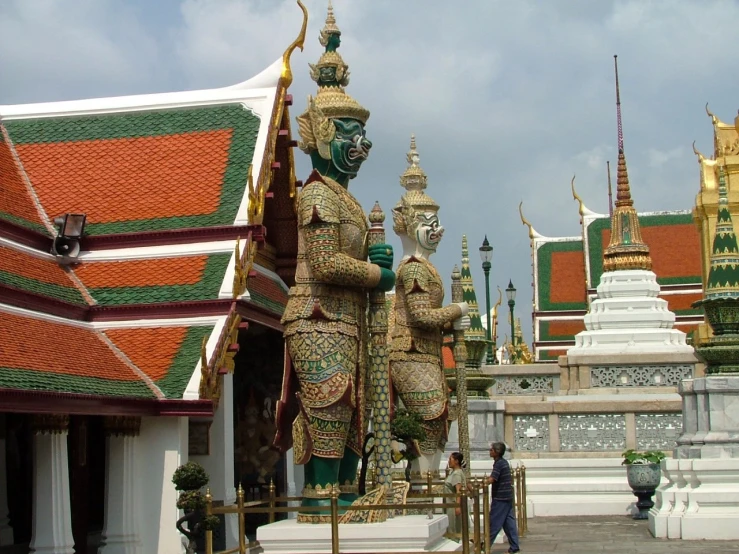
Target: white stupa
x=627 y=316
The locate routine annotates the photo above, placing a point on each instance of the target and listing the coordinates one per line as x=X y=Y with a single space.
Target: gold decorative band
x=122 y=425
x=318 y=491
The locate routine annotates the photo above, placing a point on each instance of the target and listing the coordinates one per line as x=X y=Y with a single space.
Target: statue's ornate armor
x=325 y=320
x=416 y=367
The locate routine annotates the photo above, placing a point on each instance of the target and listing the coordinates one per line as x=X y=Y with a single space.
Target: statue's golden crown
x=415 y=200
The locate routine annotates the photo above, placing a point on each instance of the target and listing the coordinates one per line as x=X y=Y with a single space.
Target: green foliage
x=191 y=501
x=406 y=426
x=649 y=457
x=190 y=477
x=210 y=523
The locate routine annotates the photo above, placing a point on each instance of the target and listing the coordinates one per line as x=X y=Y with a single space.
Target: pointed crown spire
x=415 y=199
x=329 y=29
x=331 y=74
x=626 y=249
x=723 y=276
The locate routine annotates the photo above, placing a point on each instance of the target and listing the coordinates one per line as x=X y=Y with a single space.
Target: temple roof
x=126 y=320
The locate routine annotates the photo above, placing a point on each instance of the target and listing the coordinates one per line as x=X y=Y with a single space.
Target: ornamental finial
x=626 y=249
x=414 y=178
x=330 y=28
x=376 y=216
x=465 y=250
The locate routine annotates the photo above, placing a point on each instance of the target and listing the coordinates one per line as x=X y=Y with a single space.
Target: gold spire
x=330 y=28
x=415 y=200
x=626 y=249
x=299 y=42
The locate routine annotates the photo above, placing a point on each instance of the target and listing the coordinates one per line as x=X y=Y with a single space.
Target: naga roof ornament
x=331 y=74
x=627 y=249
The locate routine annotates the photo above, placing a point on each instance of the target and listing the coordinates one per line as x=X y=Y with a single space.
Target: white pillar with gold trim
x=52 y=513
x=121 y=532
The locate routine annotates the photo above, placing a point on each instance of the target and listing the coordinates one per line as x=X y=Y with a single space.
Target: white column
x=52 y=514
x=121 y=532
x=220 y=462
x=6 y=532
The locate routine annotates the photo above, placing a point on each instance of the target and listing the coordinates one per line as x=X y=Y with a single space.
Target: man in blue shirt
x=502 y=513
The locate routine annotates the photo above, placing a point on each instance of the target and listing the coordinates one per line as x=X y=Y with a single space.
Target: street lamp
x=510 y=293
x=486 y=255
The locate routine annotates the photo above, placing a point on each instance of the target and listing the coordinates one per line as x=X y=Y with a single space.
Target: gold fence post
x=525 y=505
x=208 y=532
x=242 y=522
x=465 y=521
x=519 y=521
x=271 y=500
x=335 y=519
x=429 y=493
x=476 y=515
x=486 y=514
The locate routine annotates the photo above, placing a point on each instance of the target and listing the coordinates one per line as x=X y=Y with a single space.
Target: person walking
x=502 y=513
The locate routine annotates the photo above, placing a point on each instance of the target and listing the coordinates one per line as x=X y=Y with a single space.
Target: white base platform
x=573 y=486
x=628 y=317
x=400 y=534
x=700 y=501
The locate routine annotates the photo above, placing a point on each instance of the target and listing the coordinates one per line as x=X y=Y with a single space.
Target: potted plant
x=644 y=475
x=189 y=479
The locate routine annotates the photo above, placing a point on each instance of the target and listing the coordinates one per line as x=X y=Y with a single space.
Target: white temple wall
x=162 y=448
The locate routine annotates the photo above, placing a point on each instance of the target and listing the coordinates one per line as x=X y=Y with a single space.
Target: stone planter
x=643 y=480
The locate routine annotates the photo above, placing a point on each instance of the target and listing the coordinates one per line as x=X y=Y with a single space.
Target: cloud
x=507 y=99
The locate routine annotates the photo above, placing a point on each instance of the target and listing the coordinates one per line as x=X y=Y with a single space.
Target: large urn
x=643 y=480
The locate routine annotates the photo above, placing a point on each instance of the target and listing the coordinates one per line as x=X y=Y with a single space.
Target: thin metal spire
x=618 y=108
x=610 y=190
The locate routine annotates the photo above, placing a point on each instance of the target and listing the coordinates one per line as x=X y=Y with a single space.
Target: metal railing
x=425 y=499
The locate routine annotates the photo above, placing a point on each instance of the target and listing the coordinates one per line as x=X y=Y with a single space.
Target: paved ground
x=606 y=534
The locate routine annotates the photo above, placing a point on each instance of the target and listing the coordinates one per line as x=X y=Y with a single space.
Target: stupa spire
x=626 y=249
x=723 y=276
x=476 y=332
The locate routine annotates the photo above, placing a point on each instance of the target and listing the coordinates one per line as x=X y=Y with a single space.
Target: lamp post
x=510 y=293
x=486 y=255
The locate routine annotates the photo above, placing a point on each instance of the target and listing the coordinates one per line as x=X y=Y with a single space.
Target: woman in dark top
x=502 y=512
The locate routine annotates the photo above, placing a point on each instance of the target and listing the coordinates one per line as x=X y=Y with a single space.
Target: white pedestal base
x=699 y=502
x=400 y=534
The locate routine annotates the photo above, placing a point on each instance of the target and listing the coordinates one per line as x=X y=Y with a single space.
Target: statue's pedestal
x=701 y=499
x=485 y=425
x=399 y=534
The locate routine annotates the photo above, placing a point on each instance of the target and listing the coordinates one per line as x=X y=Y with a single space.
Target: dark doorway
x=19 y=466
x=257 y=385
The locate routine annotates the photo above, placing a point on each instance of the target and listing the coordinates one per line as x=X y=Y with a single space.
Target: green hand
x=387 y=280
x=382 y=255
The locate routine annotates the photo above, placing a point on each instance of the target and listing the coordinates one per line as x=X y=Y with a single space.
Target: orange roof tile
x=37 y=275
x=152 y=349
x=171 y=174
x=48 y=347
x=567 y=277
x=16 y=203
x=181 y=270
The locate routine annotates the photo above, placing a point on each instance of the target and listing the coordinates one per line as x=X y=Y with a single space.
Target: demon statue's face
x=349 y=147
x=428 y=231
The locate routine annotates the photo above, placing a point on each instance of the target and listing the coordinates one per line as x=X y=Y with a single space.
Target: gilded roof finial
x=577 y=197
x=532 y=232
x=701 y=157
x=626 y=249
x=299 y=42
x=709 y=113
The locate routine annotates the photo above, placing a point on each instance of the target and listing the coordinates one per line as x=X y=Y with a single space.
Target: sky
x=508 y=99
